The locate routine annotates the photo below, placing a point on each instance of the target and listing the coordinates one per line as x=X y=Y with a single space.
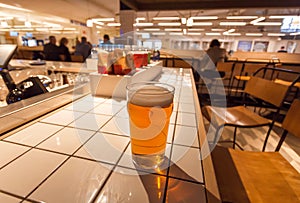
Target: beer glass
x=149 y=106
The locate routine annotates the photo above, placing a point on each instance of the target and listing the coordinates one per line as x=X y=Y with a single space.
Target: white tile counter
x=81 y=153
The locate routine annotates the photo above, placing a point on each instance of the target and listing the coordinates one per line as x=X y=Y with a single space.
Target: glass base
x=152 y=161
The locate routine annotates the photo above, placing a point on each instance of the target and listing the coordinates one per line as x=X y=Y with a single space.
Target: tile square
x=27 y=172
x=123 y=113
x=83 y=105
x=186 y=135
x=10 y=151
x=104 y=147
x=117 y=125
x=183 y=191
x=107 y=109
x=90 y=98
x=125 y=185
x=76 y=181
x=8 y=199
x=34 y=134
x=63 y=117
x=186 y=119
x=116 y=102
x=68 y=140
x=90 y=121
x=188 y=108
x=186 y=164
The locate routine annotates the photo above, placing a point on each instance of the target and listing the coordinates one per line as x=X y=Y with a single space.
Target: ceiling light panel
x=143 y=24
x=173 y=29
x=202 y=24
x=257 y=20
x=268 y=23
x=204 y=17
x=212 y=34
x=254 y=34
x=241 y=17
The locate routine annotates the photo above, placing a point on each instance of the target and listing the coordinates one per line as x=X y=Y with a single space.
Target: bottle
x=94 y=52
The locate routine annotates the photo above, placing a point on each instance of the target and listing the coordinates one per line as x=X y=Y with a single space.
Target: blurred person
x=64 y=50
x=83 y=48
x=51 y=50
x=216 y=53
x=106 y=39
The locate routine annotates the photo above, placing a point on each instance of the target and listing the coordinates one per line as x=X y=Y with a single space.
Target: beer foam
x=152 y=96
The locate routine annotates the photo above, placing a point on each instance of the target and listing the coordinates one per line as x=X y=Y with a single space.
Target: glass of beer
x=149 y=106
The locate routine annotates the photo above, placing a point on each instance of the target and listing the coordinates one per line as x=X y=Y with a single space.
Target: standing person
x=64 y=50
x=216 y=53
x=83 y=48
x=51 y=51
x=106 y=39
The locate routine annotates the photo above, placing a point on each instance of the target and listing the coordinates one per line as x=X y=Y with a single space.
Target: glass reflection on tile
x=126 y=186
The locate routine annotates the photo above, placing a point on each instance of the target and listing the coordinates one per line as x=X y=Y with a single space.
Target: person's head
x=215 y=43
x=106 y=38
x=63 y=41
x=52 y=39
x=83 y=40
x=282 y=47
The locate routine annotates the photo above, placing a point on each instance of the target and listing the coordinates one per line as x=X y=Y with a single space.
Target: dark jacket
x=51 y=52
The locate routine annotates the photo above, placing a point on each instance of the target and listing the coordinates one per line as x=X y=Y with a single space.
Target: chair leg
x=267 y=137
x=283 y=136
x=234 y=137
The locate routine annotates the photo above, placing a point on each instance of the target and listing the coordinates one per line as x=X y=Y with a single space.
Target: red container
x=138 y=59
x=145 y=59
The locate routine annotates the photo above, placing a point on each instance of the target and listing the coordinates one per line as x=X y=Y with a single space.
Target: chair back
x=292 y=119
x=266 y=90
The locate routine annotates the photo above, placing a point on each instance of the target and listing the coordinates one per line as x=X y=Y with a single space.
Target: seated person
x=51 y=51
x=282 y=49
x=64 y=50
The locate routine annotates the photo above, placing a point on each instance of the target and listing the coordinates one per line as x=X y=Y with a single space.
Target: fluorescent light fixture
x=240 y=17
x=175 y=33
x=143 y=24
x=103 y=19
x=99 y=27
x=231 y=34
x=165 y=18
x=173 y=29
x=56 y=32
x=89 y=23
x=7 y=18
x=257 y=20
x=213 y=33
x=217 y=30
x=233 y=23
x=159 y=33
x=183 y=21
x=168 y=24
x=152 y=29
x=98 y=23
x=27 y=24
x=204 y=17
x=189 y=22
x=279 y=17
x=114 y=24
x=184 y=31
x=254 y=34
x=69 y=28
x=14 y=7
x=194 y=33
x=231 y=30
x=295 y=33
x=196 y=29
x=202 y=24
x=276 y=34
x=269 y=23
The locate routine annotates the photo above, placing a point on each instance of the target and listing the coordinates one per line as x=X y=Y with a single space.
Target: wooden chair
x=291 y=122
x=244 y=176
x=260 y=91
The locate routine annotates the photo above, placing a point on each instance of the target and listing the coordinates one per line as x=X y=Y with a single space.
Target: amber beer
x=149 y=106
